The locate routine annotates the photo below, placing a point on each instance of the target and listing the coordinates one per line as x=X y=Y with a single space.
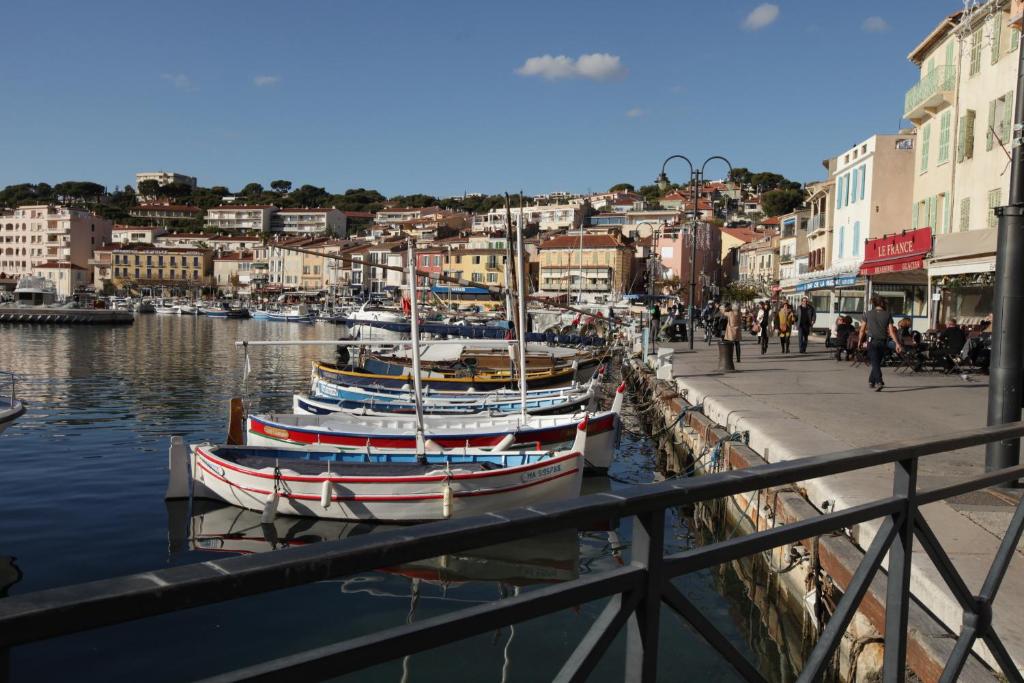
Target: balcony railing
x=816 y=223
x=934 y=88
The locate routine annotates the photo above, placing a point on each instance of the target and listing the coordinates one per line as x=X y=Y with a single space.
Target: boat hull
x=306 y=405
x=476 y=383
x=394 y=433
x=403 y=498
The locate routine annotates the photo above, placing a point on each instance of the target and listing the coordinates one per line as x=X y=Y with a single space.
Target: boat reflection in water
x=212 y=527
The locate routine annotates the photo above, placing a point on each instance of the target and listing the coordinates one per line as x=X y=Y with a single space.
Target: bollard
x=725 y=354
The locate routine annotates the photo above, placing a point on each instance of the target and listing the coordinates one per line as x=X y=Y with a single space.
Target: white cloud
x=635 y=113
x=262 y=81
x=596 y=67
x=179 y=81
x=763 y=15
x=875 y=25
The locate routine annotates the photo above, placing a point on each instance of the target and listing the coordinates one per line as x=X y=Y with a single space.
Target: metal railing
x=938 y=80
x=635 y=592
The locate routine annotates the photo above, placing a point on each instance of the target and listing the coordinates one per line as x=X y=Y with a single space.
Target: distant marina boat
x=440 y=380
x=35 y=301
x=223 y=310
x=292 y=314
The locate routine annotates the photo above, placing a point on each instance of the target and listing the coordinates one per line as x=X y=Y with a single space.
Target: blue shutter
x=863 y=178
x=842 y=230
x=856 y=238
x=853 y=192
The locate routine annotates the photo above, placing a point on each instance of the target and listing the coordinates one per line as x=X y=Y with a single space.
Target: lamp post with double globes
x=696 y=180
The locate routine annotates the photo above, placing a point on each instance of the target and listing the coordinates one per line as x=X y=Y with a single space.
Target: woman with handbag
x=784 y=324
x=762 y=326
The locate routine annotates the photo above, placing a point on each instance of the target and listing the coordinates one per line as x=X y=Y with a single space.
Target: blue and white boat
x=292 y=314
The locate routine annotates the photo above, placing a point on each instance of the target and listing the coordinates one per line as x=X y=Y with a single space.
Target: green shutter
x=1014 y=39
x=1005 y=126
x=997 y=34
x=933 y=214
x=946 y=211
x=914 y=216
x=995 y=198
x=961 y=143
x=991 y=125
x=965 y=214
x=969 y=134
x=949 y=53
x=944 y=136
x=925 y=135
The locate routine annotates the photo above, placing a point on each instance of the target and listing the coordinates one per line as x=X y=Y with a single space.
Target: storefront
x=961 y=274
x=832 y=295
x=894 y=269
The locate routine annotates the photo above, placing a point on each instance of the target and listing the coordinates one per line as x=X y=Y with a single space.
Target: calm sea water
x=82 y=478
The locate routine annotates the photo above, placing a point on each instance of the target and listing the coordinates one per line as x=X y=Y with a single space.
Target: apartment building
x=172 y=268
x=31 y=235
x=963 y=109
x=135 y=234
x=232 y=272
x=793 y=250
x=546 y=217
x=67 y=277
x=240 y=218
x=603 y=267
x=331 y=222
x=397 y=215
x=165 y=214
x=165 y=178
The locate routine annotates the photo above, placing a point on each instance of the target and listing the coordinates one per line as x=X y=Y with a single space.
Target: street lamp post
x=696 y=180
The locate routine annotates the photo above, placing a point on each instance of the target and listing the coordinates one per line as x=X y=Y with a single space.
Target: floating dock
x=65 y=316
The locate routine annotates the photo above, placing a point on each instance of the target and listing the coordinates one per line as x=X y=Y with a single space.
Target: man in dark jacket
x=805 y=317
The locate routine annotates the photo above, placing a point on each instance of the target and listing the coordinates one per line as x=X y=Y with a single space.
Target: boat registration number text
x=541 y=472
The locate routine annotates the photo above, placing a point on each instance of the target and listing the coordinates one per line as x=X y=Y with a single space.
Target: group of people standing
x=783 y=319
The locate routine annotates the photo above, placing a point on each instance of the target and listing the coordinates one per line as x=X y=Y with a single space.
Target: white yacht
x=32 y=291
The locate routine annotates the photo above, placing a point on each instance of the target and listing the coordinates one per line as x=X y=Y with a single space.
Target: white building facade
x=31 y=235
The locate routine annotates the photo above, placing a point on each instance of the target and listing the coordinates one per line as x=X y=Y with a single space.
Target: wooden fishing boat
x=438 y=380
x=354 y=432
x=381 y=486
x=322 y=388
x=292 y=314
x=484 y=403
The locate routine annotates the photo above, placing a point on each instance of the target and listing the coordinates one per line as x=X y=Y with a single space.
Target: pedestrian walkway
x=798 y=405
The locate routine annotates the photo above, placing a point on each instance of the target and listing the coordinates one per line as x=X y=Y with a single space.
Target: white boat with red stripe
x=362 y=430
x=383 y=487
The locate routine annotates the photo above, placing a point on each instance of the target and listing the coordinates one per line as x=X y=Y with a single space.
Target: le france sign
x=896 y=253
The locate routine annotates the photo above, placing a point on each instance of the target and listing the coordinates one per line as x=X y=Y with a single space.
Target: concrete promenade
x=799 y=405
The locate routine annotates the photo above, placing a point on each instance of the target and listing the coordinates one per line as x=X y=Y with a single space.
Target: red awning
x=897 y=265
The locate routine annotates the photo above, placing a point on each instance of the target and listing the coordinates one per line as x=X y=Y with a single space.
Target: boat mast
x=415 y=330
x=521 y=324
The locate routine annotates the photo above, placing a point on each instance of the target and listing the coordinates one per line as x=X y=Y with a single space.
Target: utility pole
x=1004 y=393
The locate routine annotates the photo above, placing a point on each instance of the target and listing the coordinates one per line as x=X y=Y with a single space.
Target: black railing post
x=642 y=631
x=897 y=599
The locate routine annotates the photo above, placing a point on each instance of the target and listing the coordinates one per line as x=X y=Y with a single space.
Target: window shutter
x=965 y=214
x=925 y=138
x=863 y=178
x=933 y=213
x=969 y=137
x=961 y=139
x=1005 y=127
x=991 y=125
x=1014 y=39
x=997 y=34
x=914 y=216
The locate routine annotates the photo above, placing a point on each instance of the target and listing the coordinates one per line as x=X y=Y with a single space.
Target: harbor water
x=81 y=498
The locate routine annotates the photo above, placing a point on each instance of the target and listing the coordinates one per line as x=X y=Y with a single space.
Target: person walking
x=733 y=328
x=877 y=329
x=784 y=320
x=655 y=321
x=763 y=321
x=805 y=317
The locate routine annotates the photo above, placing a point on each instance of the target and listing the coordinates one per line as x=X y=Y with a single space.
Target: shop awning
x=897 y=253
x=892 y=265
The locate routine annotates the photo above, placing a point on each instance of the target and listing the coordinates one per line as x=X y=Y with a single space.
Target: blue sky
x=443 y=97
